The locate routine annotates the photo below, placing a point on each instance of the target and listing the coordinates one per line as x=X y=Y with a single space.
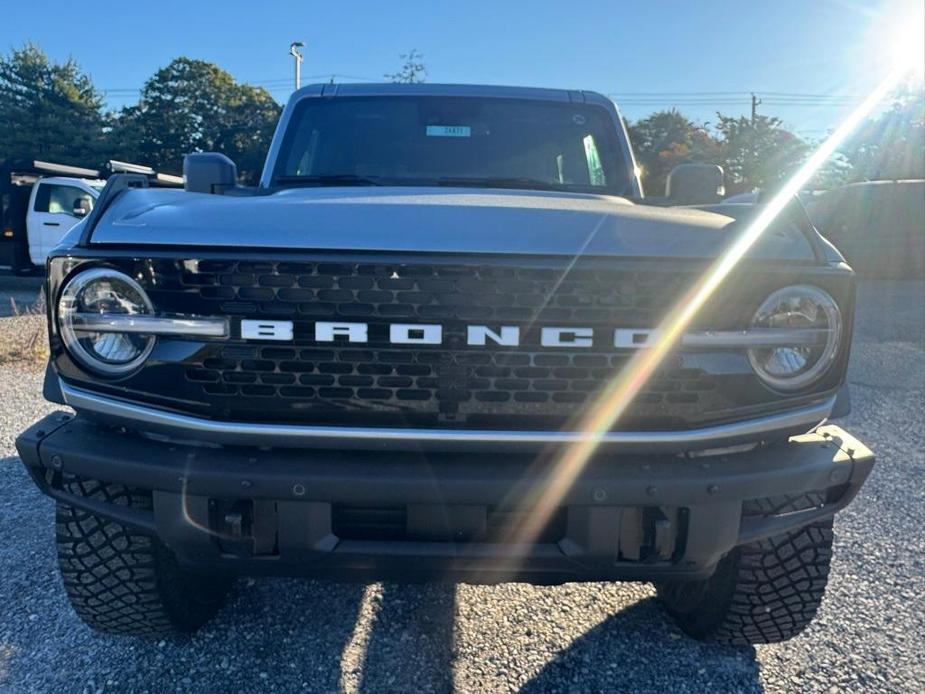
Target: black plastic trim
x=113 y=188
x=303 y=485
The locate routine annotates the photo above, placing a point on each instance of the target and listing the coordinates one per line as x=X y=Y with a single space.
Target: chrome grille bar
x=150 y=325
x=148 y=418
x=218 y=327
x=756 y=337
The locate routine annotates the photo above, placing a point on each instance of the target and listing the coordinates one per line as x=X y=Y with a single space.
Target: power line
x=671 y=94
x=683 y=101
x=651 y=99
x=745 y=100
x=811 y=102
x=659 y=95
x=740 y=93
x=814 y=96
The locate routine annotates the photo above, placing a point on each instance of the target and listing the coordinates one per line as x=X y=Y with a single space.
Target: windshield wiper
x=489 y=182
x=329 y=180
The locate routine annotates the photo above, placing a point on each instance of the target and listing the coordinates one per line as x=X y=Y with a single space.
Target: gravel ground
x=17 y=294
x=281 y=635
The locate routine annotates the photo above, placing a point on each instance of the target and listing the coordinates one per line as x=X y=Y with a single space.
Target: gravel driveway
x=17 y=294
x=281 y=635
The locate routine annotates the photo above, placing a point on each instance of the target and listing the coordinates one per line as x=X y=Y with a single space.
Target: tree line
x=53 y=111
x=760 y=152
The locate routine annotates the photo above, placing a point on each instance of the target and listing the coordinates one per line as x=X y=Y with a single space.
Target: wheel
x=123 y=582
x=763 y=592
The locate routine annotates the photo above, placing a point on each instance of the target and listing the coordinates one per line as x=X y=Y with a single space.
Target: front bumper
x=768 y=427
x=450 y=514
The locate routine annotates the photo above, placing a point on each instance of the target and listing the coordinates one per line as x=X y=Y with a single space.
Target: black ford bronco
x=445 y=337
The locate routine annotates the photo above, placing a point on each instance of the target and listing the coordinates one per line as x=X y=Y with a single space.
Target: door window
x=58 y=199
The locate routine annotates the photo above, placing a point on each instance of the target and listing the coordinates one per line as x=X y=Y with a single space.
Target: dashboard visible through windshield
x=453 y=141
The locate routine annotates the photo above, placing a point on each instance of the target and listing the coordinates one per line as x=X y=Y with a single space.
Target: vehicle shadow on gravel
x=330 y=637
x=639 y=649
x=299 y=635
x=274 y=634
x=293 y=634
x=411 y=645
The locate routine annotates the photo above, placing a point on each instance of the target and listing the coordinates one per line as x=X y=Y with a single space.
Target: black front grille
x=458 y=383
x=451 y=384
x=451 y=381
x=435 y=291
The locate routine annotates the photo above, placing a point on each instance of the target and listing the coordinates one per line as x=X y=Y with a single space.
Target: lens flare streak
x=619 y=393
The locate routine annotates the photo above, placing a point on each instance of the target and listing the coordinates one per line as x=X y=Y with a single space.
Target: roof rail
x=40 y=167
x=168 y=179
x=155 y=177
x=116 y=166
x=65 y=170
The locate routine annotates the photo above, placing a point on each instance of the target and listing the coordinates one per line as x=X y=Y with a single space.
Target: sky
x=698 y=56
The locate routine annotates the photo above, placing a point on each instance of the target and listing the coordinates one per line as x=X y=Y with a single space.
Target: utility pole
x=755 y=102
x=293 y=51
x=753 y=158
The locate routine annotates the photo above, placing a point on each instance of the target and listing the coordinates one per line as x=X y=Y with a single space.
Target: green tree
x=757 y=153
x=835 y=172
x=891 y=146
x=412 y=71
x=195 y=106
x=48 y=110
x=665 y=139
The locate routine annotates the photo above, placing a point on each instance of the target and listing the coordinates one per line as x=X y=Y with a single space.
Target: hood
x=440 y=220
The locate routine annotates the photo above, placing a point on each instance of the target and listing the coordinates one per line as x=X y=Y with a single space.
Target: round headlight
x=96 y=294
x=812 y=317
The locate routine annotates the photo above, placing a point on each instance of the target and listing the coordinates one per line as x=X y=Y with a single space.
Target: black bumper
x=451 y=515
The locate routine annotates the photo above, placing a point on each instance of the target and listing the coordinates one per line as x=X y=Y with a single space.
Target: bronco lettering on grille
x=432 y=334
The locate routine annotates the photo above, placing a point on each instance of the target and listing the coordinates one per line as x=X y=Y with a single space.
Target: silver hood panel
x=442 y=220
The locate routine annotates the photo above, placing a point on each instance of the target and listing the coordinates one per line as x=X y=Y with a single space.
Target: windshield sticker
x=449 y=131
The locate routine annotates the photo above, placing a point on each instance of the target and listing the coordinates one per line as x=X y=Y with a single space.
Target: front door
x=51 y=216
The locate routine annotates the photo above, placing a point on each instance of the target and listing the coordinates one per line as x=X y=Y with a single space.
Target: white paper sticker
x=449 y=131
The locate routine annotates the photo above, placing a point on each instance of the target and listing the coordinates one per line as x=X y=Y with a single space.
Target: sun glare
x=620 y=392
x=907 y=46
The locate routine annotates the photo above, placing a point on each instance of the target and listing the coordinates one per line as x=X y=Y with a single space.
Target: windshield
x=489 y=142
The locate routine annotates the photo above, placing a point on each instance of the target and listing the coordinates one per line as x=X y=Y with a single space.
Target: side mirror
x=209 y=172
x=82 y=207
x=695 y=184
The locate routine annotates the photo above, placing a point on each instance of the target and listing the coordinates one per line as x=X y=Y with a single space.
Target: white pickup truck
x=41 y=201
x=56 y=204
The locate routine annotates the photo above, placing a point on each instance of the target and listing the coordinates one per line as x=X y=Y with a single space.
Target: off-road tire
x=121 y=581
x=763 y=592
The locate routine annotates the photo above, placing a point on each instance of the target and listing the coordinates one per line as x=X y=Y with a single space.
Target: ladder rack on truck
x=18 y=177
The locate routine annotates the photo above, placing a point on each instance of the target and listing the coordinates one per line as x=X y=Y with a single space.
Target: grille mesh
x=426 y=292
x=451 y=380
x=458 y=382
